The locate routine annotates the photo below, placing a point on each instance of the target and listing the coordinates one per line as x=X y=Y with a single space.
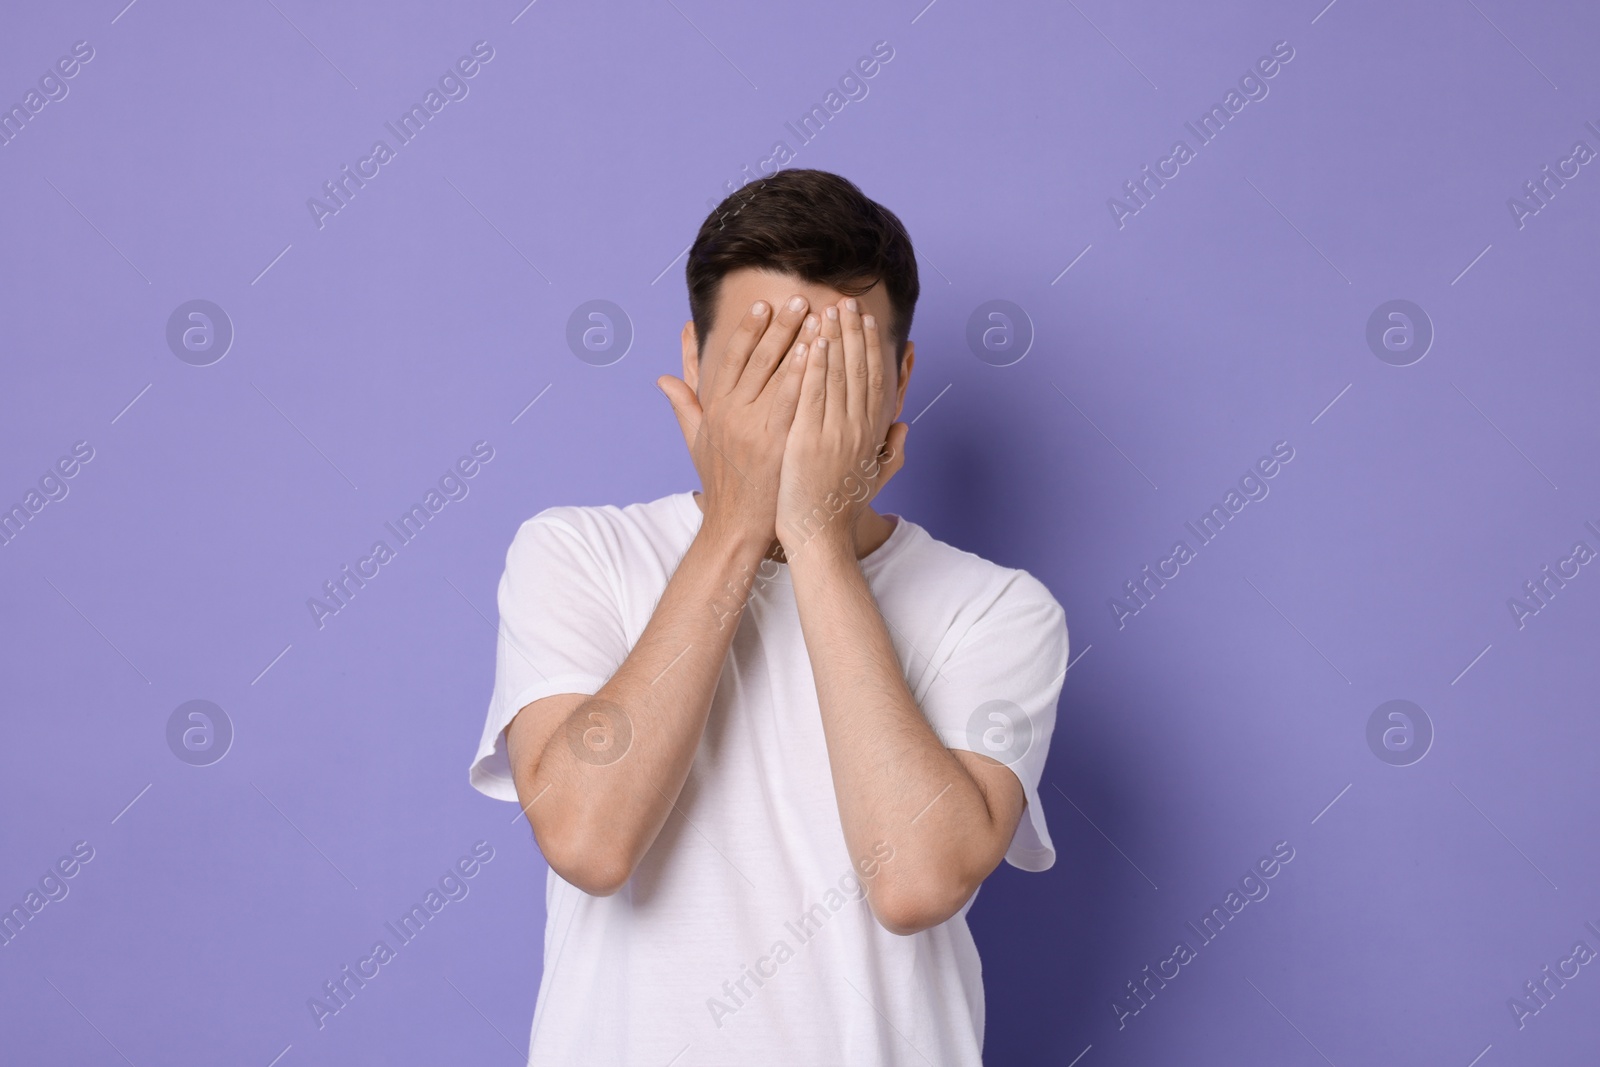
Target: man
x=770 y=741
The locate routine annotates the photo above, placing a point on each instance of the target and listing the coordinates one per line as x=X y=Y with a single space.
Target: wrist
x=737 y=545
x=831 y=530
x=825 y=553
x=731 y=542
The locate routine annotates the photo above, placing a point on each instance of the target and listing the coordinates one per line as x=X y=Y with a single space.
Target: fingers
x=685 y=405
x=894 y=453
x=779 y=336
x=732 y=360
x=888 y=460
x=813 y=389
x=786 y=385
x=876 y=383
x=860 y=374
x=782 y=390
x=832 y=341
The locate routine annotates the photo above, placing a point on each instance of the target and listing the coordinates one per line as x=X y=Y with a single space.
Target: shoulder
x=595 y=520
x=605 y=531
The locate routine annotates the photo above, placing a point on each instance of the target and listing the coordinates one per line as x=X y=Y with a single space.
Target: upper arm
x=996 y=696
x=561 y=633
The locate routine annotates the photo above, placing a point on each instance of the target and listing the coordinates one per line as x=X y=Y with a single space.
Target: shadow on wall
x=1055 y=944
x=962 y=477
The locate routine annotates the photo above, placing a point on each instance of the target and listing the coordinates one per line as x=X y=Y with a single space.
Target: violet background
x=1228 y=314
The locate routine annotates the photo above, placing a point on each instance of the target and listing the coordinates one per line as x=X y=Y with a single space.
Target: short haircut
x=812 y=224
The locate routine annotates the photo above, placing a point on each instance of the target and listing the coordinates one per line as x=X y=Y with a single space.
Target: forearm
x=894 y=778
x=610 y=774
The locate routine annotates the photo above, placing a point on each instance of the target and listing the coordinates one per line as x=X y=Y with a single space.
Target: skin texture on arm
x=949 y=815
x=598 y=775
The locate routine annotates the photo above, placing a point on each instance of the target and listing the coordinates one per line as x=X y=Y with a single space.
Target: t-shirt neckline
x=873 y=561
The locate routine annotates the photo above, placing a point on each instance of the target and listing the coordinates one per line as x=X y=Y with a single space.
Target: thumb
x=685 y=405
x=892 y=456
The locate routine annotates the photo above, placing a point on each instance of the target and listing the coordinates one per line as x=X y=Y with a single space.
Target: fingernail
x=852 y=305
x=796 y=303
x=833 y=312
x=758 y=307
x=811 y=322
x=869 y=322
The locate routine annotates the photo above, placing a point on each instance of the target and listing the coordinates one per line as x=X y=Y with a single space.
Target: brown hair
x=813 y=224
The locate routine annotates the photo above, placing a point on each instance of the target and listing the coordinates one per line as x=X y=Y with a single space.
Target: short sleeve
x=560 y=632
x=996 y=695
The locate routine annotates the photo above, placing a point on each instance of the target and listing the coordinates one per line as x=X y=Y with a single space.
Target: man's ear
x=905 y=377
x=691 y=357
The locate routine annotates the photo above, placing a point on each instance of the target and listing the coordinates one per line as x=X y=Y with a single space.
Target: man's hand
x=736 y=435
x=840 y=450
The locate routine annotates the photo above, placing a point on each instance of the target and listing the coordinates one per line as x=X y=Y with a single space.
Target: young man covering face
x=769 y=740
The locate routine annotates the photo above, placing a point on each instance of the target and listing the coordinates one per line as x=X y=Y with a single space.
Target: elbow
x=585 y=863
x=906 y=921
x=595 y=881
x=592 y=871
x=586 y=854
x=911 y=906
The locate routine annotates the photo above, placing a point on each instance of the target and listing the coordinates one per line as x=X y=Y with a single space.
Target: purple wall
x=1441 y=860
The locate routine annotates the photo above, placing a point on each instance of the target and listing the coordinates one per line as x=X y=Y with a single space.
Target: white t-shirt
x=743 y=935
